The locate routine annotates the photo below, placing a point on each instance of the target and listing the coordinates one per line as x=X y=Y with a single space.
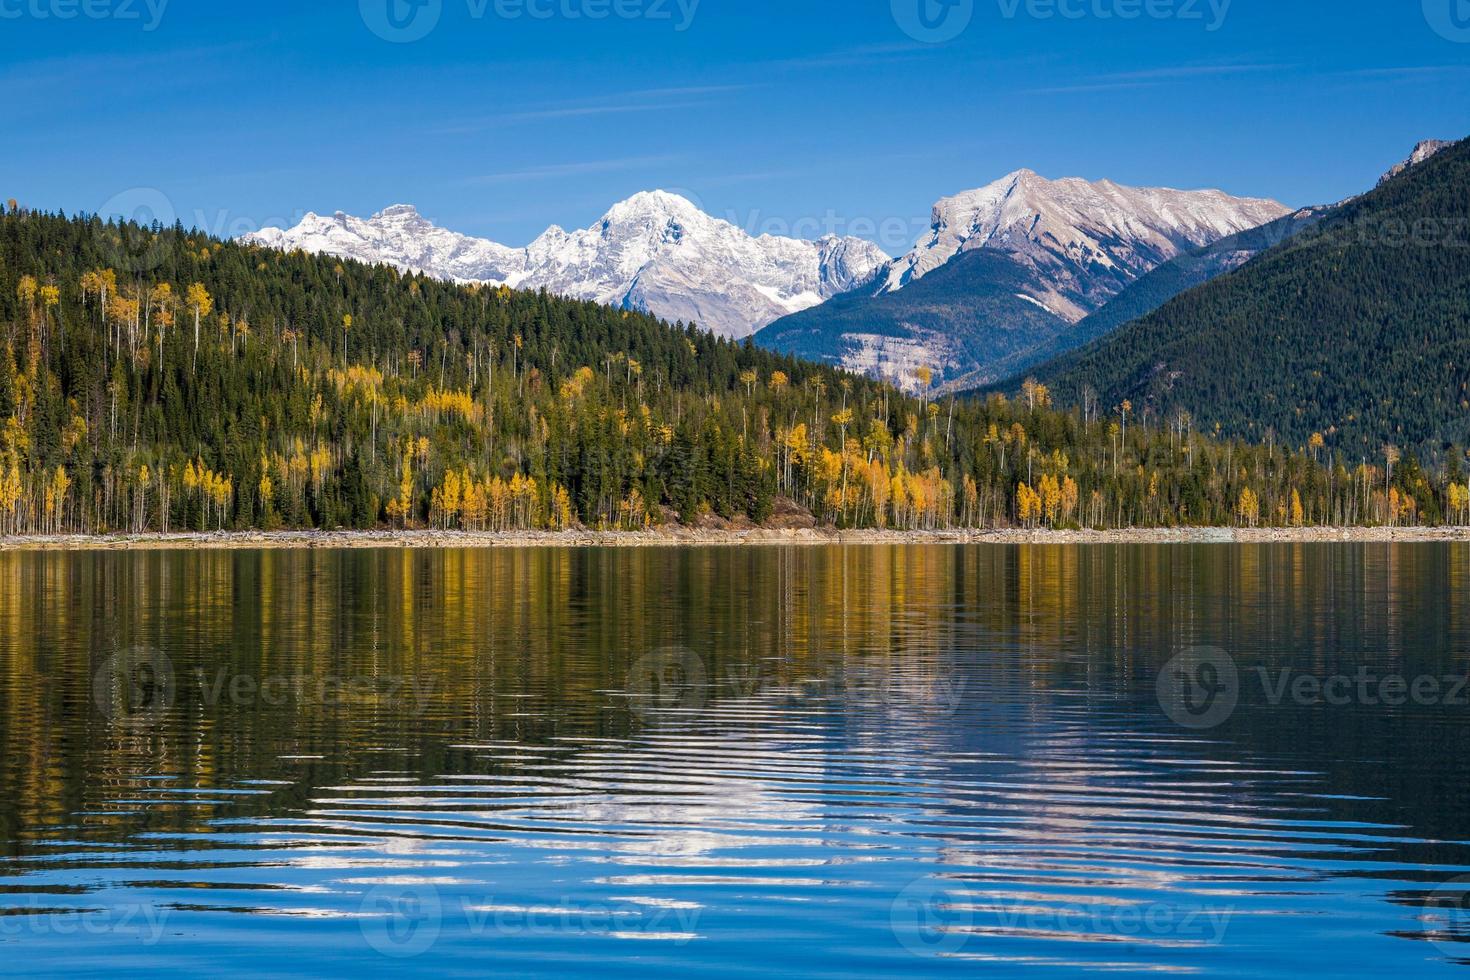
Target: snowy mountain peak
x=655 y=252
x=1084 y=240
x=399 y=215
x=657 y=203
x=658 y=216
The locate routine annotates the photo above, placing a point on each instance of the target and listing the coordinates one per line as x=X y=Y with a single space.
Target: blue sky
x=810 y=116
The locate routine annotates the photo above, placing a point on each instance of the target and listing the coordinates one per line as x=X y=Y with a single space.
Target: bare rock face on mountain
x=1084 y=242
x=1009 y=268
x=655 y=252
x=1422 y=152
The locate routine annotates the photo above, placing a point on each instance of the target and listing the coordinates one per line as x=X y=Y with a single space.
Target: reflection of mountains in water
x=736 y=733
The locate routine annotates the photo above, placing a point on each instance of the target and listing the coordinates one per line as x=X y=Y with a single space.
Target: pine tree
x=7 y=383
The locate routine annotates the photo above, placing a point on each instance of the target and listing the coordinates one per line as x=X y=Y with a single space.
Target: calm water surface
x=868 y=760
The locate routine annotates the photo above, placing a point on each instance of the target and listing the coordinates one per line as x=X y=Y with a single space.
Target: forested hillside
x=970 y=312
x=1357 y=329
x=1150 y=292
x=156 y=379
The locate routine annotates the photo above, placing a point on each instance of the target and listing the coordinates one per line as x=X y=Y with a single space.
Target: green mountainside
x=157 y=379
x=1357 y=328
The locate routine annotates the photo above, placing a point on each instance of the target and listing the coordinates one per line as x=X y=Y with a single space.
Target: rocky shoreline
x=696 y=537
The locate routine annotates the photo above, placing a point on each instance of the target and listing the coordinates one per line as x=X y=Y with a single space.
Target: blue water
x=833 y=762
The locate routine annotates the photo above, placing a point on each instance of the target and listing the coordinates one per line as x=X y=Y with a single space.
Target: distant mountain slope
x=655 y=252
x=1171 y=279
x=974 y=310
x=1422 y=152
x=1070 y=246
x=1358 y=327
x=1151 y=292
x=1082 y=241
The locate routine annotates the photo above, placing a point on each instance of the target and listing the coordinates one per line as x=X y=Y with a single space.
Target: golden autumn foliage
x=483 y=417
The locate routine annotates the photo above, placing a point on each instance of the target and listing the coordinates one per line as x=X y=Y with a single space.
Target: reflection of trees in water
x=524 y=647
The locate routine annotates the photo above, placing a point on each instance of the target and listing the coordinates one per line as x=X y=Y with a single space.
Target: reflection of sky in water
x=885 y=760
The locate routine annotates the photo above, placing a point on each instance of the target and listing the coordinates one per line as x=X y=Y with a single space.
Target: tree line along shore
x=155 y=381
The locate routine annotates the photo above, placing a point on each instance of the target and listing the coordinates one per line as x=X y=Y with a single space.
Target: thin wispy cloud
x=1407 y=72
x=78 y=71
x=869 y=54
x=567 y=112
x=686 y=90
x=1155 y=77
x=552 y=171
x=727 y=180
x=622 y=103
x=1191 y=71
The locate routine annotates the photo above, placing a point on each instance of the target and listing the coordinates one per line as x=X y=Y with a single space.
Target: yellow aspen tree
x=25 y=291
x=1249 y=507
x=1070 y=497
x=202 y=304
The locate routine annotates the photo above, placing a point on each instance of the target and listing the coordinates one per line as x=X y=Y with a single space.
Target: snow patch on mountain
x=1084 y=241
x=655 y=252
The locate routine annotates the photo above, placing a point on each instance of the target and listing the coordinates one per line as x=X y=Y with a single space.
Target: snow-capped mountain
x=1084 y=241
x=1008 y=268
x=401 y=237
x=655 y=252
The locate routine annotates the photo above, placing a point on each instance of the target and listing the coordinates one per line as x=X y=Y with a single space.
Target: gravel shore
x=669 y=537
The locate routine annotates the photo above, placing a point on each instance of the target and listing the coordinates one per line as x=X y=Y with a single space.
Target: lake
x=829 y=761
